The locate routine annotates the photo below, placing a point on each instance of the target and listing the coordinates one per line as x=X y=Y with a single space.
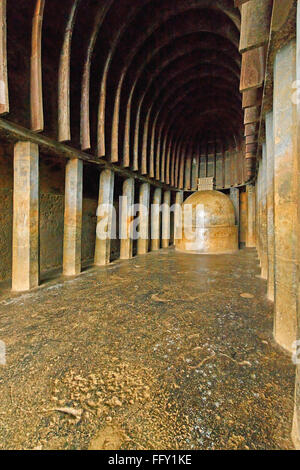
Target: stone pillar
x=296 y=420
x=243 y=217
x=257 y=215
x=126 y=229
x=259 y=218
x=195 y=171
x=263 y=215
x=250 y=239
x=143 y=241
x=155 y=220
x=166 y=220
x=73 y=218
x=25 y=256
x=178 y=216
x=105 y=213
x=188 y=168
x=235 y=197
x=270 y=203
x=285 y=196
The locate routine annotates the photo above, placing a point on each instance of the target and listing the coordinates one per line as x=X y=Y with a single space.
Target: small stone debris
x=159 y=299
x=100 y=393
x=70 y=411
x=246 y=295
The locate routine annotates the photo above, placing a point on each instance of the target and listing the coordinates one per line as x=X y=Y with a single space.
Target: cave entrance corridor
x=115 y=332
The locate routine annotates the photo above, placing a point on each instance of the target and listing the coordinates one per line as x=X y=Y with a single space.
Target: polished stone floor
x=165 y=351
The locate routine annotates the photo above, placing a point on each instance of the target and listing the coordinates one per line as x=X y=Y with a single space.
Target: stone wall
x=51 y=231
x=89 y=220
x=6 y=204
x=243 y=217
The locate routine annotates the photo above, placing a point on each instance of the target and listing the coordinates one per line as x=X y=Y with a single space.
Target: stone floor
x=159 y=352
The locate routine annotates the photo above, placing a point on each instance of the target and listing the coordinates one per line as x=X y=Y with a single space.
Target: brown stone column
x=235 y=197
x=144 y=201
x=258 y=213
x=250 y=239
x=126 y=230
x=285 y=196
x=25 y=259
x=105 y=213
x=270 y=203
x=243 y=217
x=73 y=218
x=188 y=168
x=195 y=171
x=155 y=220
x=178 y=216
x=263 y=215
x=296 y=420
x=166 y=220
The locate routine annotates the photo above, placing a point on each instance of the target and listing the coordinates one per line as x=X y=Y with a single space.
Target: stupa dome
x=208 y=224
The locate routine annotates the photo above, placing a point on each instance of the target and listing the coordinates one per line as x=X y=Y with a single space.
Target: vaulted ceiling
x=146 y=84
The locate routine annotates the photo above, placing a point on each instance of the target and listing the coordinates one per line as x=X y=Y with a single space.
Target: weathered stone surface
x=126 y=251
x=6 y=213
x=251 y=239
x=270 y=203
x=209 y=224
x=235 y=197
x=73 y=218
x=243 y=217
x=109 y=328
x=51 y=231
x=105 y=216
x=51 y=216
x=296 y=419
x=252 y=97
x=166 y=220
x=88 y=237
x=4 y=99
x=156 y=220
x=143 y=113
x=25 y=262
x=178 y=216
x=256 y=18
x=253 y=69
x=144 y=229
x=263 y=215
x=36 y=85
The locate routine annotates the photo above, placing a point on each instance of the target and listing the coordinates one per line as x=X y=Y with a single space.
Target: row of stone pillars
x=276 y=200
x=272 y=203
x=25 y=265
x=274 y=207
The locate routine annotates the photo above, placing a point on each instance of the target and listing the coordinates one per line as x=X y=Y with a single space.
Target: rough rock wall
x=52 y=181
x=51 y=231
x=6 y=204
x=89 y=220
x=243 y=216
